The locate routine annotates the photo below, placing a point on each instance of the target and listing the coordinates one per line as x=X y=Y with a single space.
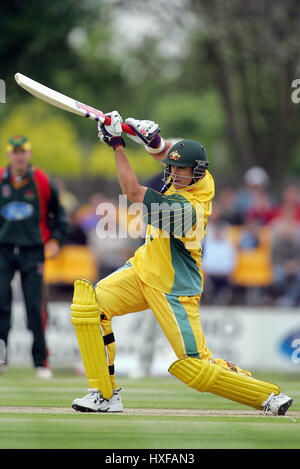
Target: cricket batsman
x=164 y=275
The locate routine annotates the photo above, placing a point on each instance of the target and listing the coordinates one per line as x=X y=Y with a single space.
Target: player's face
x=19 y=160
x=181 y=177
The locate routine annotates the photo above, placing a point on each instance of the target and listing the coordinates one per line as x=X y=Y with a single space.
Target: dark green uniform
x=30 y=215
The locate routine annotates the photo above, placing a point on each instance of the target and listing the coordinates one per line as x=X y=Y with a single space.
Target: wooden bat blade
x=64 y=102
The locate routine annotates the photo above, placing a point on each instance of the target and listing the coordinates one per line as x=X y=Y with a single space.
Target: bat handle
x=126 y=128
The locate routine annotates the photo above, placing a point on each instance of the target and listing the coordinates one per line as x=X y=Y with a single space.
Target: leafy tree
x=34 y=35
x=253 y=54
x=199 y=117
x=228 y=83
x=102 y=162
x=63 y=45
x=54 y=140
x=246 y=52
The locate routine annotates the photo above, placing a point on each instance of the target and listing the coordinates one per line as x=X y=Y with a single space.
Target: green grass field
x=160 y=413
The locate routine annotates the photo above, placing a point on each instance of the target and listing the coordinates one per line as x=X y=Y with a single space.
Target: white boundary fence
x=257 y=339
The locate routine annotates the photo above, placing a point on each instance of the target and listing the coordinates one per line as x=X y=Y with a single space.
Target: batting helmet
x=186 y=153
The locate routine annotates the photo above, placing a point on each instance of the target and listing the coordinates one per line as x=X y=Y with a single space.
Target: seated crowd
x=258 y=239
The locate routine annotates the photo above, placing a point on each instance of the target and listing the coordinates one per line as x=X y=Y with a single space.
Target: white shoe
x=2 y=368
x=95 y=402
x=277 y=405
x=42 y=372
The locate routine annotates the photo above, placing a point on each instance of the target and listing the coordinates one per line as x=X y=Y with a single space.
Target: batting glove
x=111 y=134
x=147 y=134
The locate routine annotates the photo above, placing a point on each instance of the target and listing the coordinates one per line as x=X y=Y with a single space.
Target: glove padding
x=145 y=130
x=111 y=134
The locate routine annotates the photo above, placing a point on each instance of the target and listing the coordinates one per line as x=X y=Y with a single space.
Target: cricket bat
x=65 y=102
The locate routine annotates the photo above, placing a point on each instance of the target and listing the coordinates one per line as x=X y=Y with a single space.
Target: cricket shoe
x=43 y=372
x=277 y=405
x=95 y=402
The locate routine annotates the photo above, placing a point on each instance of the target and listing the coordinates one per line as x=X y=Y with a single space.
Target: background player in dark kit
x=33 y=225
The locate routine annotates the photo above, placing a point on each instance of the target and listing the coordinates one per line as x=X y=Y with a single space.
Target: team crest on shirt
x=6 y=190
x=29 y=194
x=175 y=155
x=17 y=210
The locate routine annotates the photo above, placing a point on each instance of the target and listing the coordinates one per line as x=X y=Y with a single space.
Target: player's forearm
x=160 y=156
x=127 y=178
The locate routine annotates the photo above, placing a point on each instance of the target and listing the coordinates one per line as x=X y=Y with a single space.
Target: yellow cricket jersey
x=170 y=259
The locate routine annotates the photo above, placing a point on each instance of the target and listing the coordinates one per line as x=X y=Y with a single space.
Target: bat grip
x=126 y=128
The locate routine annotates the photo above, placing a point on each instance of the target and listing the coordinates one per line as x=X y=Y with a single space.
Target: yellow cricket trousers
x=123 y=292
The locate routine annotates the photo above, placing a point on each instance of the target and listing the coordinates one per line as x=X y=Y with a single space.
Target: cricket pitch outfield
x=159 y=413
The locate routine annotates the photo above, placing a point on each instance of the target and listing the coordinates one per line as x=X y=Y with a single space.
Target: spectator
x=76 y=234
x=255 y=200
x=227 y=201
x=252 y=275
x=87 y=214
x=290 y=202
x=286 y=259
x=249 y=234
x=67 y=199
x=218 y=261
